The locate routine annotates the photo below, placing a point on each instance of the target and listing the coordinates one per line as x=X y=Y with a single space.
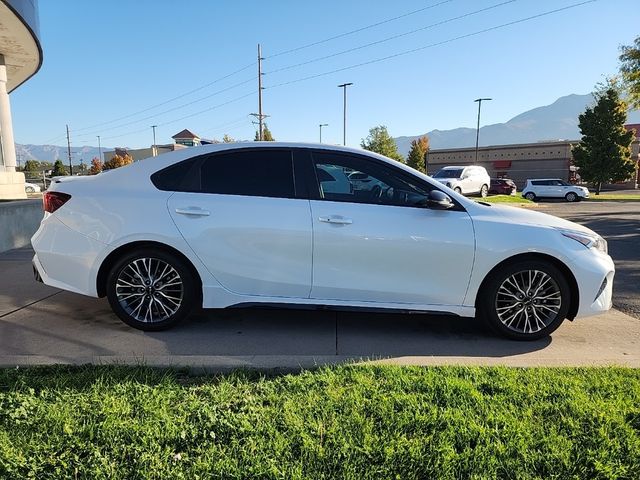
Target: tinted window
x=178 y=177
x=259 y=173
x=448 y=173
x=375 y=183
x=540 y=182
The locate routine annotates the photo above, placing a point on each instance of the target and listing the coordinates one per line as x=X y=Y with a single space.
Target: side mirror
x=438 y=200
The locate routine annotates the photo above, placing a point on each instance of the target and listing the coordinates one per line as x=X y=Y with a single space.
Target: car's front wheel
x=457 y=190
x=30 y=190
x=151 y=289
x=484 y=190
x=525 y=300
x=571 y=197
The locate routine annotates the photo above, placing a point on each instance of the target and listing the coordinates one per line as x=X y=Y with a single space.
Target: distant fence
x=19 y=220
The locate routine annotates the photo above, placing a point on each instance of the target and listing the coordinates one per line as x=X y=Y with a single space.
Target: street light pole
x=322 y=125
x=344 y=120
x=479 y=100
x=154 y=150
x=99 y=149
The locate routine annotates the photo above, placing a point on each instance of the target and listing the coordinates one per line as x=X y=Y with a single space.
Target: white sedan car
x=31 y=187
x=234 y=224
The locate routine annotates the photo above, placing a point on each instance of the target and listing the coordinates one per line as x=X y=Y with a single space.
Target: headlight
x=588 y=240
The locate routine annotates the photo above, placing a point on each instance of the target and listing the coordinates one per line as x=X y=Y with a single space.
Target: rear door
x=246 y=222
x=379 y=246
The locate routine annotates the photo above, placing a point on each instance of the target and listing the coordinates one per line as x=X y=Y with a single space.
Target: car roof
x=537 y=179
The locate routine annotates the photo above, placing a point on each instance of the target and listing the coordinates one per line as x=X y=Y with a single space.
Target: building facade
x=521 y=161
x=20 y=59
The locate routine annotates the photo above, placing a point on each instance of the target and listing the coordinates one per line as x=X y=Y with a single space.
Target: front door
x=378 y=245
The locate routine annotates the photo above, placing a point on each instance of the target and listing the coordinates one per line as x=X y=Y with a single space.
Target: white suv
x=553 y=188
x=466 y=180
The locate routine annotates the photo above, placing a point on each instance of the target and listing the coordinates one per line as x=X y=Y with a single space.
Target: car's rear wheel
x=526 y=300
x=571 y=197
x=457 y=190
x=151 y=289
x=530 y=196
x=484 y=190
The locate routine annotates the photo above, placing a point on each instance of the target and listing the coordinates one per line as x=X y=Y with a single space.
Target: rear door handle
x=336 y=220
x=193 y=212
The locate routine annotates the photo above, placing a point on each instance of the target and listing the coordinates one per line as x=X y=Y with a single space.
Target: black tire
x=543 y=316
x=530 y=196
x=483 y=191
x=458 y=190
x=160 y=298
x=571 y=197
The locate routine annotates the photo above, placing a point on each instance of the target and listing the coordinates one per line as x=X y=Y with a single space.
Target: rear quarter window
x=180 y=177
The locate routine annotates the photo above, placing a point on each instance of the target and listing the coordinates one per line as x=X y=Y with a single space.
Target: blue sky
x=105 y=61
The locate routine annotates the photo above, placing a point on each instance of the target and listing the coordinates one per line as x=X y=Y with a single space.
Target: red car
x=502 y=186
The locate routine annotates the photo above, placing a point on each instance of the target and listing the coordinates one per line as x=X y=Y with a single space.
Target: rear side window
x=179 y=177
x=539 y=182
x=259 y=173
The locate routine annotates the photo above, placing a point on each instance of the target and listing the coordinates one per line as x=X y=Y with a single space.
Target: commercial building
x=552 y=159
x=20 y=59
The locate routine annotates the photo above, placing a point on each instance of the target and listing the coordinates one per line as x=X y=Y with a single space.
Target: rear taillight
x=52 y=201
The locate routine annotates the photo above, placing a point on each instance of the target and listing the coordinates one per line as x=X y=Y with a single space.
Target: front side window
x=349 y=178
x=258 y=173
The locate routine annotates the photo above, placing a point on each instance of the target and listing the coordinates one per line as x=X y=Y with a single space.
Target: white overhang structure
x=20 y=59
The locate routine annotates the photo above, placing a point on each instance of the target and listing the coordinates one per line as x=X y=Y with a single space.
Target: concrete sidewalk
x=40 y=325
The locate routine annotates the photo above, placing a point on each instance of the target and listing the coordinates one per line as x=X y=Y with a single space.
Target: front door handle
x=336 y=220
x=193 y=212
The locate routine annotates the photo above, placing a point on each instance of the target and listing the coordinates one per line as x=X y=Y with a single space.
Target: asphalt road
x=42 y=325
x=619 y=224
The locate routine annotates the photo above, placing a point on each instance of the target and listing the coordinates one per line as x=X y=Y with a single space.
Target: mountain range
x=551 y=122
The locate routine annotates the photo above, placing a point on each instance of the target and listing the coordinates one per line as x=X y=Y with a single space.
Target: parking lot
x=41 y=325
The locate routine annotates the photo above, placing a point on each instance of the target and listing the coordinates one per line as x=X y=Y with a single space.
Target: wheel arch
x=566 y=271
x=112 y=258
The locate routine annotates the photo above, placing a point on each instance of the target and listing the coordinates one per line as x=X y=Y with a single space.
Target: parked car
x=502 y=186
x=31 y=187
x=466 y=180
x=553 y=188
x=234 y=224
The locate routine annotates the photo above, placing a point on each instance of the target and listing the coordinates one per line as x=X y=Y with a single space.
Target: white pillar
x=6 y=127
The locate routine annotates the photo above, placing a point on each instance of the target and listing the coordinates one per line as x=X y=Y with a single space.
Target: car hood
x=531 y=217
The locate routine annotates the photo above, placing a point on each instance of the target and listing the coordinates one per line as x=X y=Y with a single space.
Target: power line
x=186 y=116
x=319 y=42
x=202 y=87
x=179 y=107
x=394 y=37
x=407 y=52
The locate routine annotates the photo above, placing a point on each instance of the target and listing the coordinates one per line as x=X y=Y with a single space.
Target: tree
x=59 y=169
x=32 y=166
x=418 y=153
x=380 y=141
x=266 y=135
x=116 y=162
x=227 y=139
x=604 y=154
x=630 y=72
x=96 y=166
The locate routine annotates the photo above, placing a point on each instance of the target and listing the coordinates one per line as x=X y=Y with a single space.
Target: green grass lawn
x=352 y=422
x=620 y=197
x=506 y=199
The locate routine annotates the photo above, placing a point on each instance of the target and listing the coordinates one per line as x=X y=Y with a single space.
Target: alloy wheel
x=527 y=301
x=149 y=289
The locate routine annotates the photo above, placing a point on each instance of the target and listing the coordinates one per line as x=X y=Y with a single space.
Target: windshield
x=448 y=173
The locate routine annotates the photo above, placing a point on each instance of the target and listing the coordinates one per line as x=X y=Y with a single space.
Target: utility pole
x=260 y=116
x=322 y=125
x=154 y=150
x=69 y=152
x=99 y=149
x=479 y=100
x=344 y=107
